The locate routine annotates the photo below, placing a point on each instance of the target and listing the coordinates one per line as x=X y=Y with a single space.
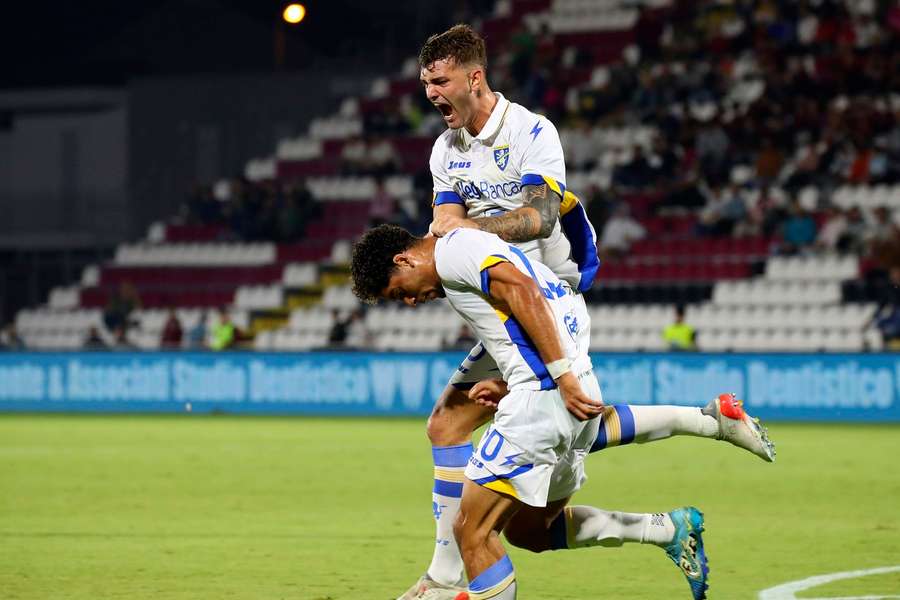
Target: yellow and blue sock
x=616 y=427
x=449 y=472
x=623 y=424
x=497 y=582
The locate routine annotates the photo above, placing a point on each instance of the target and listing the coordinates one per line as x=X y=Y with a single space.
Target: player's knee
x=438 y=428
x=448 y=427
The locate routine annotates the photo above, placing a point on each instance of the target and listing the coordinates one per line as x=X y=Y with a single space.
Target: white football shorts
x=534 y=449
x=476 y=366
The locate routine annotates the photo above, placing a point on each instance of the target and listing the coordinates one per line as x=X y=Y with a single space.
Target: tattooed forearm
x=515 y=226
x=535 y=219
x=546 y=202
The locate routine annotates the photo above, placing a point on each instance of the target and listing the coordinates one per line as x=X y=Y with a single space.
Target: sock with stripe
x=497 y=582
x=585 y=526
x=449 y=468
x=625 y=423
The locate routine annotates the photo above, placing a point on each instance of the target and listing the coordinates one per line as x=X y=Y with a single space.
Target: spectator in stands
x=620 y=231
x=635 y=174
x=799 y=231
x=647 y=32
x=885 y=247
x=10 y=338
x=883 y=229
x=224 y=333
x=120 y=305
x=120 y=339
x=172 y=332
x=856 y=232
x=358 y=335
x=581 y=147
x=196 y=337
x=464 y=339
x=712 y=146
x=411 y=111
x=381 y=206
x=524 y=46
x=202 y=205
x=724 y=209
x=290 y=220
x=337 y=337
x=887 y=317
x=805 y=168
x=679 y=336
x=93 y=341
x=831 y=236
x=600 y=205
x=663 y=160
x=769 y=161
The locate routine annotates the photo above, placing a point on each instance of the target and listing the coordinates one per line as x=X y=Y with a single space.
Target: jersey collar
x=493 y=124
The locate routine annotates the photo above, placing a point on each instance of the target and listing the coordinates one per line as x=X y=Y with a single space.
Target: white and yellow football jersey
x=463 y=258
x=486 y=173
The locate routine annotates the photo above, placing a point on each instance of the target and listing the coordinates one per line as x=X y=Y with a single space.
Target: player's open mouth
x=446 y=110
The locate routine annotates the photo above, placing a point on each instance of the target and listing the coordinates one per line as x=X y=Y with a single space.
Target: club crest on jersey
x=501 y=157
x=571 y=322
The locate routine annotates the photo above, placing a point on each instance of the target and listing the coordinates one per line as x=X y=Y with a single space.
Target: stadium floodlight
x=294 y=13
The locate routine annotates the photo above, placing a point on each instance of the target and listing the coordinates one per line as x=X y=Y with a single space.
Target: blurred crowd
x=252 y=211
x=761 y=109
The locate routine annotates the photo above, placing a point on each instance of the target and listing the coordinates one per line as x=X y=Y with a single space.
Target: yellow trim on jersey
x=457 y=476
x=503 y=486
x=494 y=591
x=569 y=201
x=613 y=426
x=553 y=185
x=500 y=314
x=490 y=261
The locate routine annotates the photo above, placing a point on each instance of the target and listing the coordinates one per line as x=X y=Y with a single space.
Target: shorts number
x=495 y=438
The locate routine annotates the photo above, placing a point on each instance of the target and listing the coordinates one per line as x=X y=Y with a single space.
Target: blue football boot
x=686 y=549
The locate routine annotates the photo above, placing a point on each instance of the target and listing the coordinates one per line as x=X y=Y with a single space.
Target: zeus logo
x=438 y=509
x=458 y=164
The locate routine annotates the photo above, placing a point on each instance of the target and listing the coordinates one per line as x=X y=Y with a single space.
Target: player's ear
x=477 y=80
x=402 y=260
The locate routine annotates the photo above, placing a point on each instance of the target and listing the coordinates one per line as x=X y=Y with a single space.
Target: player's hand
x=443 y=224
x=488 y=392
x=579 y=404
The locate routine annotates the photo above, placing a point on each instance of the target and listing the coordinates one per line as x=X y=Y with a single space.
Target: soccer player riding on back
x=500 y=168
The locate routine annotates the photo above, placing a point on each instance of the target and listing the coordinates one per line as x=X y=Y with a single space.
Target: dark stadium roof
x=108 y=42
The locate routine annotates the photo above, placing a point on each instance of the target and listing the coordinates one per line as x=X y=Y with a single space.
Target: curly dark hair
x=460 y=42
x=373 y=259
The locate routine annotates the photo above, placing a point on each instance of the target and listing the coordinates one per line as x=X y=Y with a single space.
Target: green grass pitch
x=267 y=508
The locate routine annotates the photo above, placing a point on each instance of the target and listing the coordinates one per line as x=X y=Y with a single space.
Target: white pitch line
x=856 y=598
x=786 y=591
